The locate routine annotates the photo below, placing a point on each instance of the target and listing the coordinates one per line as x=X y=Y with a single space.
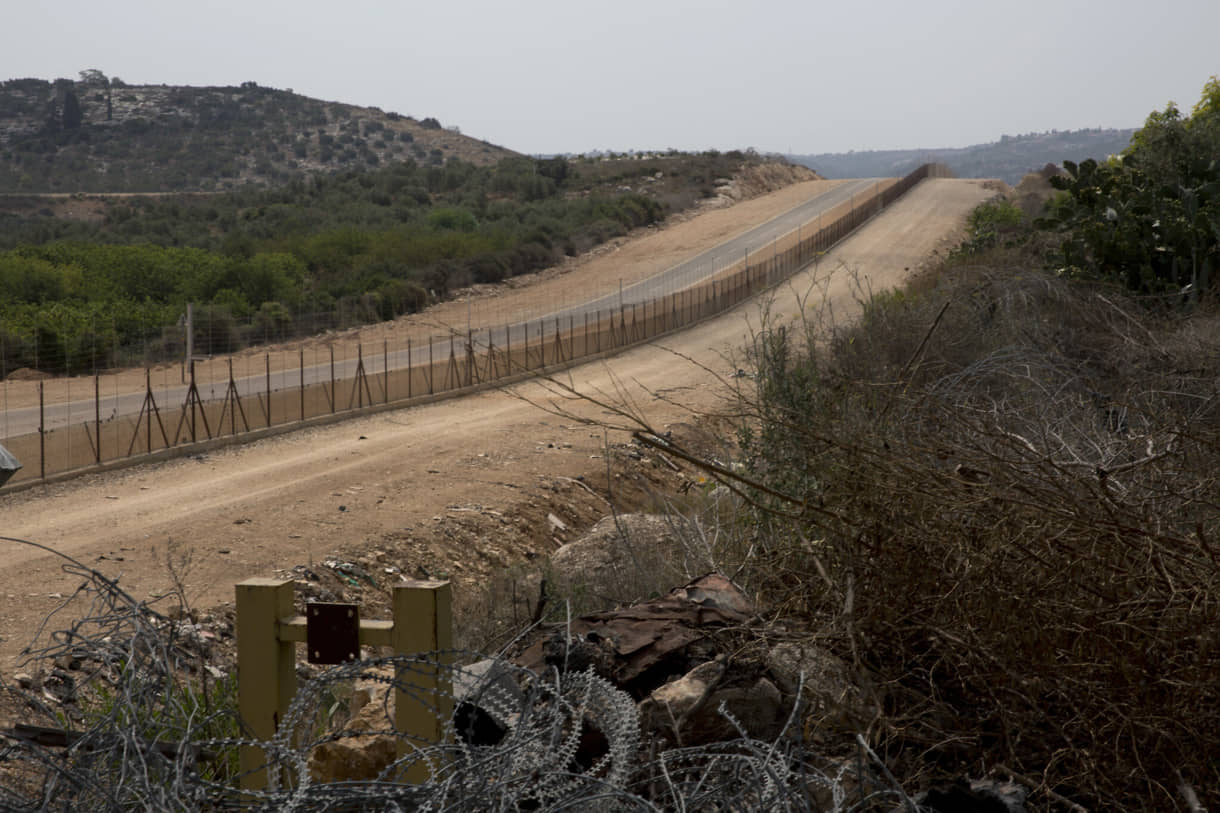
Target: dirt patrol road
x=248 y=510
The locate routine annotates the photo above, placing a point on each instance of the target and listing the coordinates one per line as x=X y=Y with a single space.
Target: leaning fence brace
x=268 y=631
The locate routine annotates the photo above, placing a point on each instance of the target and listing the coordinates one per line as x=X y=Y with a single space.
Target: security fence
x=176 y=412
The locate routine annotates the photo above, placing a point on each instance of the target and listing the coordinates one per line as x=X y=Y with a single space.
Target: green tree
x=1208 y=105
x=1151 y=217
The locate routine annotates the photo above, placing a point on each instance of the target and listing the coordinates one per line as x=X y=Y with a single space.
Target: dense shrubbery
x=391 y=241
x=1150 y=217
x=997 y=497
x=998 y=500
x=991 y=224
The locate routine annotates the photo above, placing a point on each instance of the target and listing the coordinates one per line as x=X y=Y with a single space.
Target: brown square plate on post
x=332 y=632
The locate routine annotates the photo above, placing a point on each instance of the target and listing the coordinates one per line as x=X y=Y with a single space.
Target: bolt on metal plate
x=332 y=632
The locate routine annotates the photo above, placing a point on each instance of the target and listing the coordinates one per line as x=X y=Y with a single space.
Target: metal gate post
x=266 y=668
x=423 y=622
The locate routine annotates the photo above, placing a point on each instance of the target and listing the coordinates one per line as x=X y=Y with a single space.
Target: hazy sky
x=549 y=76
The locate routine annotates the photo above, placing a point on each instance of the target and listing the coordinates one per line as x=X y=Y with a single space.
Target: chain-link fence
x=70 y=424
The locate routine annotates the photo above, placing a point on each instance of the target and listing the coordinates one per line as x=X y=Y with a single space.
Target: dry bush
x=1000 y=497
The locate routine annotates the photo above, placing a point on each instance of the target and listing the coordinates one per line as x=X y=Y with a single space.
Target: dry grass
x=999 y=496
x=996 y=495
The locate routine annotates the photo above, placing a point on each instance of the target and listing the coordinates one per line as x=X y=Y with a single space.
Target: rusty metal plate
x=332 y=632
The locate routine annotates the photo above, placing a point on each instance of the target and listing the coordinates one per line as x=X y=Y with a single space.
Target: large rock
x=687 y=711
x=834 y=696
x=360 y=756
x=486 y=697
x=629 y=557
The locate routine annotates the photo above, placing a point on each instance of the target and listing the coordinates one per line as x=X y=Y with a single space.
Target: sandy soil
x=402 y=484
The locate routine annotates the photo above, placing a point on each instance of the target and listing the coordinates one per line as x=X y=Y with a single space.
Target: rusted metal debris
x=641 y=646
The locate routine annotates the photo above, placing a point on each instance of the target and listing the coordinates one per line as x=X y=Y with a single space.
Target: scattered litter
x=305 y=573
x=351 y=572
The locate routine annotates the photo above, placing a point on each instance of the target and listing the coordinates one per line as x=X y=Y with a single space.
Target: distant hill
x=102 y=135
x=1008 y=159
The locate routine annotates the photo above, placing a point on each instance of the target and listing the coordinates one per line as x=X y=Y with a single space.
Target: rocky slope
x=101 y=135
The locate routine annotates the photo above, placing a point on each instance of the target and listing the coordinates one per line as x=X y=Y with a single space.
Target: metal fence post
x=266 y=670
x=42 y=433
x=423 y=622
x=267 y=361
x=508 y=349
x=97 y=419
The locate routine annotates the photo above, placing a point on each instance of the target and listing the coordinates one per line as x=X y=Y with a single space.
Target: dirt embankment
x=754 y=181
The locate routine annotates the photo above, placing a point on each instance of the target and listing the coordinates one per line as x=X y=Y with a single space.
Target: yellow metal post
x=266 y=667
x=423 y=622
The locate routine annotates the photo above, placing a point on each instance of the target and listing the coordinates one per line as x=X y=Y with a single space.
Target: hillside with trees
x=99 y=134
x=326 y=250
x=1008 y=159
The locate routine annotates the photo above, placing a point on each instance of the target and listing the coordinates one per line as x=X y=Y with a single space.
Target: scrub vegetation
x=996 y=493
x=324 y=251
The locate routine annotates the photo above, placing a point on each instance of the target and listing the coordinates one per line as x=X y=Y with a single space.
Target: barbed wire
x=132 y=715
